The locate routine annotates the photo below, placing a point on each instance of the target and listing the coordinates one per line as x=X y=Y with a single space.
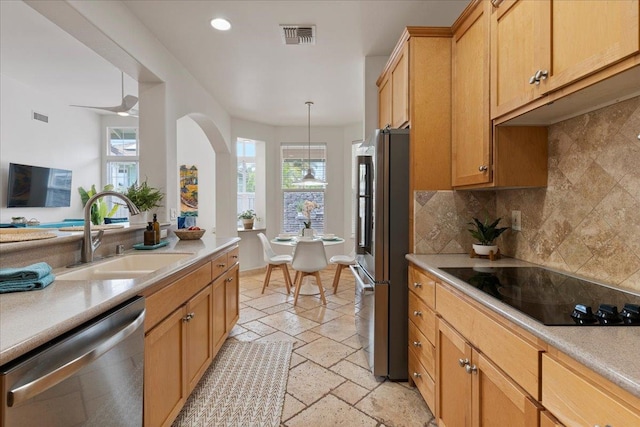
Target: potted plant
x=144 y=197
x=99 y=210
x=248 y=217
x=486 y=233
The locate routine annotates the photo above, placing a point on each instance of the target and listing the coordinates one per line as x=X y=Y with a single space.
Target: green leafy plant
x=484 y=232
x=248 y=214
x=144 y=196
x=99 y=209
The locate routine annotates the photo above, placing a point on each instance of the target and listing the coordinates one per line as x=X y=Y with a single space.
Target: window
x=296 y=160
x=122 y=160
x=246 y=155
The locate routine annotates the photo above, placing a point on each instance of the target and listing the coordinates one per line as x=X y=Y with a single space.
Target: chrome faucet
x=89 y=244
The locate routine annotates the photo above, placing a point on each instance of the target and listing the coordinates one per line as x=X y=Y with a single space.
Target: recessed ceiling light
x=123 y=114
x=220 y=24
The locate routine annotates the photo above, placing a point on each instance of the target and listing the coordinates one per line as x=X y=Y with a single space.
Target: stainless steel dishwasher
x=90 y=376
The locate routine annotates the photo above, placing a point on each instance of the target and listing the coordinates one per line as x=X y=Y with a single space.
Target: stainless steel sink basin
x=123 y=267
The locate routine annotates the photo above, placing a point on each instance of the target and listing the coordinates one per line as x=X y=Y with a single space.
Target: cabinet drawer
x=219 y=265
x=517 y=357
x=233 y=256
x=423 y=317
x=166 y=300
x=423 y=349
x=423 y=381
x=576 y=401
x=423 y=285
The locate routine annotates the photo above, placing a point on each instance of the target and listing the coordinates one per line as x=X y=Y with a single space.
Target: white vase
x=307 y=233
x=484 y=249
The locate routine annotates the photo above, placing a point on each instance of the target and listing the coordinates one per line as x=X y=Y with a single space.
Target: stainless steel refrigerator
x=382 y=236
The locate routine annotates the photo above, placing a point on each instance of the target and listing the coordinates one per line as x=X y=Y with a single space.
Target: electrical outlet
x=516 y=221
x=172 y=214
x=163 y=234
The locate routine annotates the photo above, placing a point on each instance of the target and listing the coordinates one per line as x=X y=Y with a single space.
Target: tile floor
x=329 y=383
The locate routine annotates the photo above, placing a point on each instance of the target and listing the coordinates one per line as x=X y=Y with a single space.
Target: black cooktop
x=555 y=299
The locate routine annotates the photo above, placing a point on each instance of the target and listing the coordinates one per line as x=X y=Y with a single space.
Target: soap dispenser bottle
x=156 y=228
x=149 y=235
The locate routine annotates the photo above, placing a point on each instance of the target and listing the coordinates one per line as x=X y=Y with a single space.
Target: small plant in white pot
x=486 y=233
x=248 y=217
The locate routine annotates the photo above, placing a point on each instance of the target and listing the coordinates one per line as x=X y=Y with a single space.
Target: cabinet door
x=471 y=126
x=497 y=400
x=219 y=313
x=586 y=36
x=400 y=90
x=165 y=385
x=199 y=336
x=384 y=104
x=232 y=297
x=454 y=383
x=516 y=53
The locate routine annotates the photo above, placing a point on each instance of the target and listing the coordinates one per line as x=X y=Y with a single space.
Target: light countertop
x=29 y=319
x=610 y=351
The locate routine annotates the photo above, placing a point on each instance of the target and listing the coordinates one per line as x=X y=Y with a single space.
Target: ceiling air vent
x=40 y=117
x=298 y=34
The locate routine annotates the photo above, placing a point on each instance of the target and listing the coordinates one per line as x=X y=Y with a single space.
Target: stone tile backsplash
x=587 y=219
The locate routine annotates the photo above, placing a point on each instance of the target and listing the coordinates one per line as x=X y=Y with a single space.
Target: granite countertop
x=30 y=319
x=609 y=351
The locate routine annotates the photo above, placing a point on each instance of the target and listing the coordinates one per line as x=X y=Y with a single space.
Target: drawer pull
x=188 y=317
x=417 y=374
x=417 y=313
x=417 y=343
x=222 y=265
x=417 y=285
x=463 y=362
x=234 y=256
x=471 y=369
x=229 y=279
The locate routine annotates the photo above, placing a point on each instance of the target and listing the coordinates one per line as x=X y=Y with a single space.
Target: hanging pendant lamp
x=309 y=178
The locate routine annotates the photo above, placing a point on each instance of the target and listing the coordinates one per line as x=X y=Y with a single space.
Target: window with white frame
x=122 y=160
x=246 y=155
x=296 y=160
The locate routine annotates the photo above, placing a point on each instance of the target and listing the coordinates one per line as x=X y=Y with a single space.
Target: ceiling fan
x=124 y=109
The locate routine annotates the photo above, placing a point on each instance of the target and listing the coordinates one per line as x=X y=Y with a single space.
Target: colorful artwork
x=188 y=190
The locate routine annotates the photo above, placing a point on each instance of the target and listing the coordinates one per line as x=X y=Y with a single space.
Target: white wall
x=373 y=66
x=70 y=140
x=194 y=149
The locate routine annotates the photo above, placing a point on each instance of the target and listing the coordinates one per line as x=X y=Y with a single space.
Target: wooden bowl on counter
x=184 y=234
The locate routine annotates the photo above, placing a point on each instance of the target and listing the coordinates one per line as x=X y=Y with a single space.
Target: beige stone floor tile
x=280 y=336
x=325 y=352
x=308 y=382
x=357 y=374
x=237 y=330
x=308 y=336
x=353 y=341
x=247 y=336
x=308 y=302
x=288 y=322
x=257 y=293
x=291 y=407
x=278 y=308
x=249 y=314
x=346 y=309
x=333 y=412
x=266 y=301
x=320 y=314
x=296 y=359
x=243 y=298
x=359 y=358
x=396 y=406
x=338 y=329
x=259 y=328
x=335 y=299
x=350 y=392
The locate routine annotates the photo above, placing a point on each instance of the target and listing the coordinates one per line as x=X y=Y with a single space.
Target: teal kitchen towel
x=26 y=284
x=31 y=272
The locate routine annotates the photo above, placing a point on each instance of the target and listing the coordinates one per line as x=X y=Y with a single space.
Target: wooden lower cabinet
x=232 y=297
x=473 y=391
x=199 y=342
x=219 y=313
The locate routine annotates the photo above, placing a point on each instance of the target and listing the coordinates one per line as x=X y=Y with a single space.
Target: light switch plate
x=172 y=214
x=516 y=221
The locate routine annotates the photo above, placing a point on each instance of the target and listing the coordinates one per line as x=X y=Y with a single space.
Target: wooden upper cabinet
x=384 y=103
x=471 y=125
x=400 y=90
x=538 y=47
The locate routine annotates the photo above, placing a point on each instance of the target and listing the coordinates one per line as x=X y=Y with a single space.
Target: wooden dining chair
x=274 y=261
x=309 y=258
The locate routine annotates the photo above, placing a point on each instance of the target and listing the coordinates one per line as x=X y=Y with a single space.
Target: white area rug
x=244 y=386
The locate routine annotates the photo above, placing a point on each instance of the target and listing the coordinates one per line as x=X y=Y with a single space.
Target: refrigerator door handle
x=361 y=286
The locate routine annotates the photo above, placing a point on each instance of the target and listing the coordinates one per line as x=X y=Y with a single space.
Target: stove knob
x=631 y=314
x=583 y=315
x=608 y=314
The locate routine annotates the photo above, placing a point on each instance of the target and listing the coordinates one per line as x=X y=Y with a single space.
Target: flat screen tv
x=38 y=187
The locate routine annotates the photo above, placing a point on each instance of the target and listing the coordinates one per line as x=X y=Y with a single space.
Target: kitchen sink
x=123 y=267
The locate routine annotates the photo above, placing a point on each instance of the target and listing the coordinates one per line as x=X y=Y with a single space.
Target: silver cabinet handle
x=417 y=285
x=50 y=379
x=230 y=279
x=463 y=362
x=538 y=76
x=417 y=374
x=471 y=369
x=483 y=168
x=496 y=3
x=417 y=313
x=234 y=256
x=188 y=317
x=417 y=343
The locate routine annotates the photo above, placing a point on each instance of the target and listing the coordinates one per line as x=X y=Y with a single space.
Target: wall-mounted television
x=38 y=187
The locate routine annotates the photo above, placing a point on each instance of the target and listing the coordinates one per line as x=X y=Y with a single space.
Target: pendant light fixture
x=309 y=178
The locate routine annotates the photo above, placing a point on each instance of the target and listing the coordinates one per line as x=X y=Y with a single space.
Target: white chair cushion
x=342 y=259
x=280 y=259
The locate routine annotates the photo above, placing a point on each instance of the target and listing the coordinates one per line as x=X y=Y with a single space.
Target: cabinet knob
x=417 y=285
x=229 y=279
x=188 y=317
x=221 y=265
x=483 y=168
x=417 y=343
x=471 y=369
x=234 y=256
x=417 y=374
x=463 y=362
x=417 y=313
